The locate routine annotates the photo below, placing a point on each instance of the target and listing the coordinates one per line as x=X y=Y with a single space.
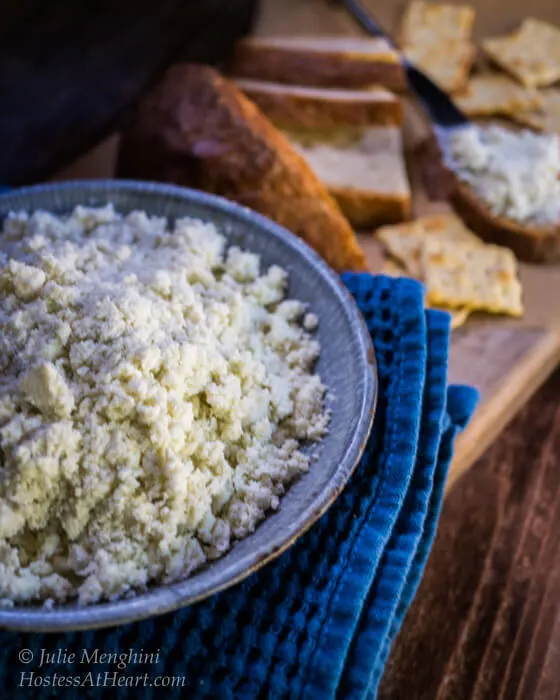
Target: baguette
x=294 y=106
x=334 y=61
x=196 y=128
x=529 y=243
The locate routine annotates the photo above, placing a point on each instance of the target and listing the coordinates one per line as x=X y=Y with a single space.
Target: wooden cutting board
x=507 y=360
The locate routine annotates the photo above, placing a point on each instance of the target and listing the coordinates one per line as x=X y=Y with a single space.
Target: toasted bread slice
x=531 y=244
x=196 y=128
x=298 y=107
x=328 y=61
x=363 y=169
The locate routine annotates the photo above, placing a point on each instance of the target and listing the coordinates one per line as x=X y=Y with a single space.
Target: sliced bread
x=327 y=61
x=529 y=243
x=196 y=128
x=295 y=106
x=364 y=170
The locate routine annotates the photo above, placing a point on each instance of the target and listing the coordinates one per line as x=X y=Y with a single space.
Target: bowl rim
x=163 y=598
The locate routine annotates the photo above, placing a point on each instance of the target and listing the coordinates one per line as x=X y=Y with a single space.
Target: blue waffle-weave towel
x=320 y=620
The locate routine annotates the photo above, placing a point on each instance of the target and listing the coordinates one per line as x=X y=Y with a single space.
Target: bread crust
x=528 y=243
x=256 y=59
x=531 y=244
x=366 y=209
x=197 y=129
x=288 y=110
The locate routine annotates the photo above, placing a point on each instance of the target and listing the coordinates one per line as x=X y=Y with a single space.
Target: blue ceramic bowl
x=346 y=365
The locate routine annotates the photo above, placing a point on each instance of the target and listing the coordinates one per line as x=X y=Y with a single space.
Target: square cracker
x=404 y=241
x=548 y=117
x=493 y=94
x=393 y=269
x=462 y=275
x=446 y=61
x=531 y=54
x=458 y=316
x=430 y=21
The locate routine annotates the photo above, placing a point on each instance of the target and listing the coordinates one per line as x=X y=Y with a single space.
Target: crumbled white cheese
x=154 y=395
x=515 y=173
x=45 y=389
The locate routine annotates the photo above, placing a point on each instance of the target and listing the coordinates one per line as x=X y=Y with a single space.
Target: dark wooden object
x=485 y=624
x=69 y=69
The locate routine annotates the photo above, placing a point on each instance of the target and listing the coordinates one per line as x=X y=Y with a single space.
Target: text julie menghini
x=120 y=659
x=43 y=662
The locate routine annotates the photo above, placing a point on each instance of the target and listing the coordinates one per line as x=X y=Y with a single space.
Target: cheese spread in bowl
x=516 y=174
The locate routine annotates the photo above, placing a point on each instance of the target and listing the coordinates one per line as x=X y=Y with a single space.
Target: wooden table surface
x=485 y=624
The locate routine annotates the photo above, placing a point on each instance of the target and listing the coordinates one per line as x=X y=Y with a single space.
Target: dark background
x=70 y=69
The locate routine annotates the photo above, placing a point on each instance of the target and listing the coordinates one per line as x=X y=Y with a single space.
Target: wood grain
x=511 y=364
x=486 y=621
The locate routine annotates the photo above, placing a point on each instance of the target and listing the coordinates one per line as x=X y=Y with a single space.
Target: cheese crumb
x=155 y=393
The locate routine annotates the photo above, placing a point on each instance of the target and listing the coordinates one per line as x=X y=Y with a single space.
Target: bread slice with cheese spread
x=536 y=244
x=326 y=61
x=529 y=243
x=364 y=170
x=196 y=128
x=300 y=107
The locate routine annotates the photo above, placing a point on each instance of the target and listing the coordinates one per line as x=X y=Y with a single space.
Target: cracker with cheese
x=531 y=54
x=462 y=275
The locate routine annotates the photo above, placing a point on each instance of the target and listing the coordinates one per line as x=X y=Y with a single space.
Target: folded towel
x=319 y=621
